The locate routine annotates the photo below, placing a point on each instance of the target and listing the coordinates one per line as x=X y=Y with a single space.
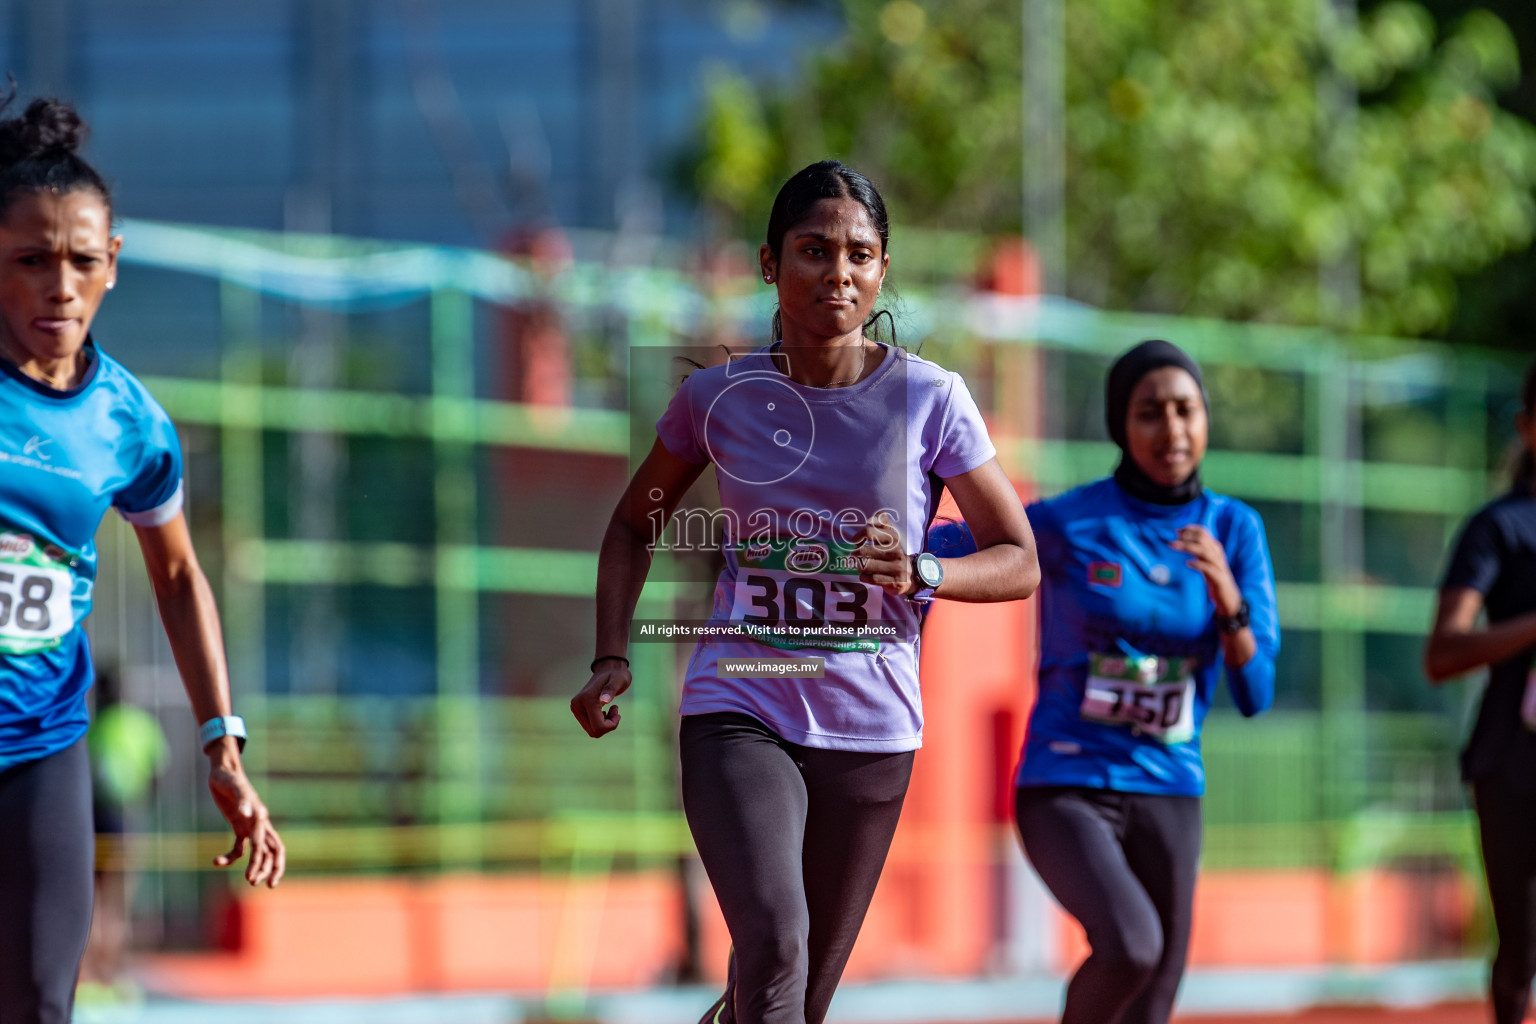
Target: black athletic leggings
x=47 y=852
x=1124 y=865
x=1506 y=820
x=793 y=839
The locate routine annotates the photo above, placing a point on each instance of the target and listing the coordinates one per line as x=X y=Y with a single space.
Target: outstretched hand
x=593 y=704
x=247 y=816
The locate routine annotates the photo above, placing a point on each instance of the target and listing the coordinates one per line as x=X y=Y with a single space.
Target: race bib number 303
x=1152 y=696
x=36 y=613
x=802 y=593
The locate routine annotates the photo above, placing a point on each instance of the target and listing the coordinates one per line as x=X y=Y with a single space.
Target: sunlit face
x=1165 y=426
x=828 y=271
x=57 y=257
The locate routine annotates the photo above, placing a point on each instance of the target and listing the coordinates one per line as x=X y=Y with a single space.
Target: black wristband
x=607 y=657
x=1230 y=624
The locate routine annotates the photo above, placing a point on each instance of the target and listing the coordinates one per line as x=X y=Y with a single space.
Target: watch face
x=929 y=570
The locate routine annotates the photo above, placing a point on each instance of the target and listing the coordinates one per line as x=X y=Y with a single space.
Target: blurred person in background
x=128 y=752
x=792 y=786
x=1151 y=583
x=79 y=434
x=1492 y=571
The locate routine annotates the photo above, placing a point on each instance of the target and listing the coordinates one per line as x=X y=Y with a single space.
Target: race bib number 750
x=1153 y=696
x=35 y=608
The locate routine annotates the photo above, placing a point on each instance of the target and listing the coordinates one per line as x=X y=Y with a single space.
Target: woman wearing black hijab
x=1150 y=585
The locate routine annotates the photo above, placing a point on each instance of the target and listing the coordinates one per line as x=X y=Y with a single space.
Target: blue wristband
x=217 y=728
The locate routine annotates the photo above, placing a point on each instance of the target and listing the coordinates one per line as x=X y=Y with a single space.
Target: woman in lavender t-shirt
x=801 y=709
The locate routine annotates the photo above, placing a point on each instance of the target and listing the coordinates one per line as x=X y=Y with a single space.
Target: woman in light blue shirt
x=79 y=435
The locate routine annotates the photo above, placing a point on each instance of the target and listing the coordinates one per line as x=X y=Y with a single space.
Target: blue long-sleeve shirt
x=1113 y=587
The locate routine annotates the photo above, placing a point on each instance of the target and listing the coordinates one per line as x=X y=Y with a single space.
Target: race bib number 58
x=35 y=587
x=799 y=593
x=1153 y=696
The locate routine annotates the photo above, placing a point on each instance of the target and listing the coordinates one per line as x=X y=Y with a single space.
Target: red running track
x=1459 y=1013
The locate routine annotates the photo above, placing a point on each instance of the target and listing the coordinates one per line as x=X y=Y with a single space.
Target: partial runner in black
x=78 y=435
x=1493 y=570
x=829 y=451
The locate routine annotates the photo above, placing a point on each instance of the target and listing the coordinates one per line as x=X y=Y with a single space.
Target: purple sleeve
x=676 y=428
x=963 y=441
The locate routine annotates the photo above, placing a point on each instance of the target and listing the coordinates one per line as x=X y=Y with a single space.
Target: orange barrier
x=551 y=934
x=364 y=936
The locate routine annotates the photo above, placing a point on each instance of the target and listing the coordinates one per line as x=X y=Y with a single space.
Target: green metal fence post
x=456 y=567
x=243 y=519
x=655 y=666
x=1334 y=425
x=1467 y=427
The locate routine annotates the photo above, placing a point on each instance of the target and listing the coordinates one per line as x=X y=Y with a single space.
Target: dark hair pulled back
x=828 y=179
x=1525 y=465
x=39 y=153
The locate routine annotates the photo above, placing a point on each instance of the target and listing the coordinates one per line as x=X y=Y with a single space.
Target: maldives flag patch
x=1105 y=574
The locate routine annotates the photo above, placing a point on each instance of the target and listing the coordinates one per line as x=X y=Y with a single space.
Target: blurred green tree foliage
x=1497 y=305
x=1223 y=157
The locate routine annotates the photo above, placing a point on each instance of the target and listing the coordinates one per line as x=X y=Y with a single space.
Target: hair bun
x=47 y=126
